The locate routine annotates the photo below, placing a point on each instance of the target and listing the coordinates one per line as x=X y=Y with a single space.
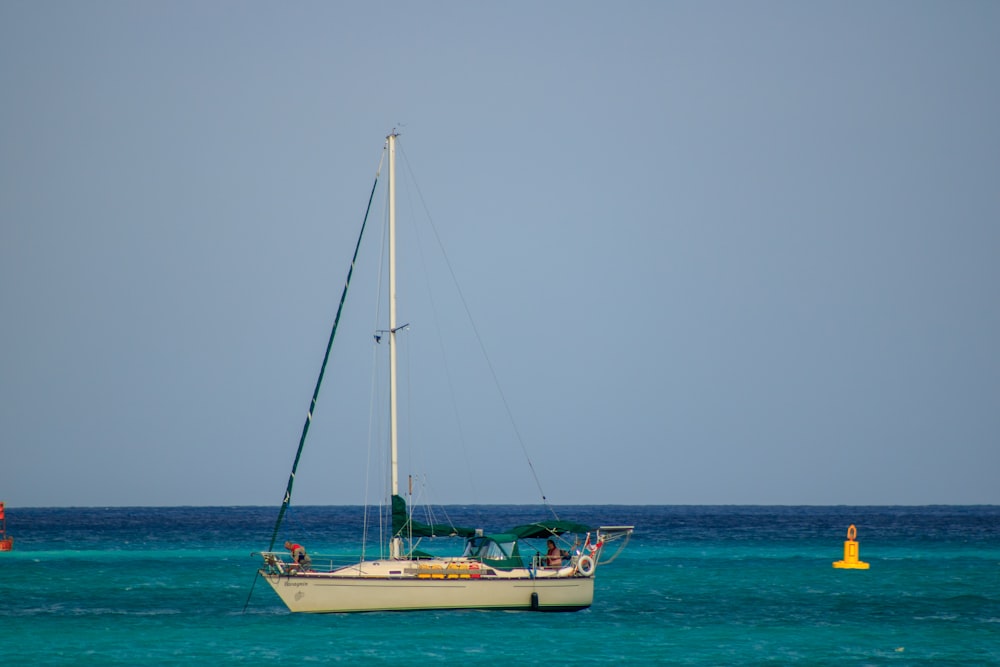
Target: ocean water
x=695 y=586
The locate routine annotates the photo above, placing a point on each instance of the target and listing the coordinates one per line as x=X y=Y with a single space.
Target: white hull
x=346 y=590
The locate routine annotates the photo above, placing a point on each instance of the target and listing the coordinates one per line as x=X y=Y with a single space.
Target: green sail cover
x=404 y=526
x=548 y=528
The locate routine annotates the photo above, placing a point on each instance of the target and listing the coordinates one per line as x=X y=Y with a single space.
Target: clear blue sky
x=719 y=252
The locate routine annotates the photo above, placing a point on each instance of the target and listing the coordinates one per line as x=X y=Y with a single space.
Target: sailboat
x=490 y=571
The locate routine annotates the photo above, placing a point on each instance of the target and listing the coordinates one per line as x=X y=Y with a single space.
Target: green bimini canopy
x=548 y=528
x=499 y=551
x=404 y=526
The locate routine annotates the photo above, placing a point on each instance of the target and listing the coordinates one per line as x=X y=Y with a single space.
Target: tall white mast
x=395 y=546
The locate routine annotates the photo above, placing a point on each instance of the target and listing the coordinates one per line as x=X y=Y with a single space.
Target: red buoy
x=6 y=543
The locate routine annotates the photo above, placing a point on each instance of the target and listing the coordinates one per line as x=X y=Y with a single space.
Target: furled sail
x=404 y=525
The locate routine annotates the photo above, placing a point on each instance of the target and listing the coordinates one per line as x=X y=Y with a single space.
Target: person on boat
x=554 y=555
x=300 y=558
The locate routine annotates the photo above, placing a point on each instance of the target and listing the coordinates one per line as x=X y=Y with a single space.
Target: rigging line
x=374 y=400
x=427 y=506
x=319 y=381
x=250 y=594
x=475 y=329
x=444 y=356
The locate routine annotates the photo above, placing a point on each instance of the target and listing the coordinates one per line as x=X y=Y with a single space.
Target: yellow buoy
x=851 y=561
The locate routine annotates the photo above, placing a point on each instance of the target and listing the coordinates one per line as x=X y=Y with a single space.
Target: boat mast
x=395 y=547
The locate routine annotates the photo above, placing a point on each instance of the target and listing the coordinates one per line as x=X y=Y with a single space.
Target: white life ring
x=585 y=566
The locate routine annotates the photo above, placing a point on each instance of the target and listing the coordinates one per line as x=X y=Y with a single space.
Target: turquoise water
x=696 y=586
